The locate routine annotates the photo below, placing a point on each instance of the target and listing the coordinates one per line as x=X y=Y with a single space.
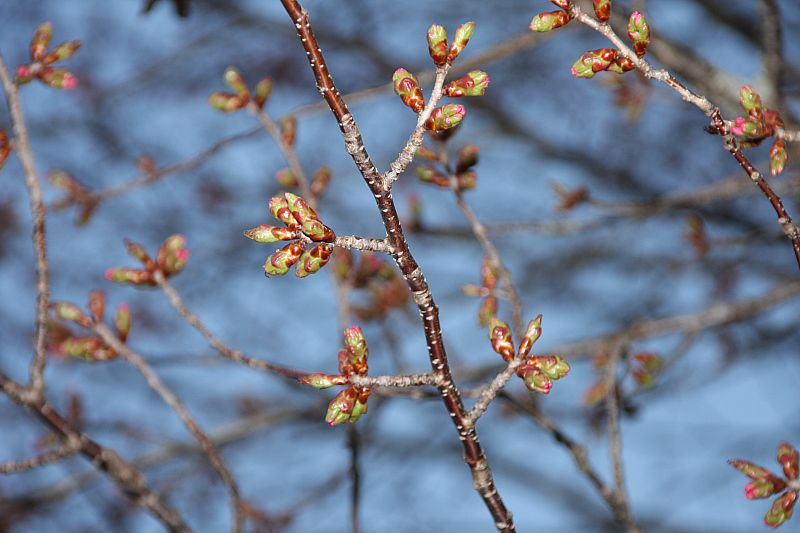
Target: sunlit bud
x=550 y=20
x=281 y=261
x=751 y=470
x=750 y=100
x=123 y=321
x=592 y=62
x=340 y=408
x=777 y=157
x=320 y=180
x=58 y=78
x=23 y=75
x=467 y=180
x=314 y=259
x=445 y=117
x=474 y=83
x=226 y=102
x=487 y=311
x=437 y=44
x=428 y=174
x=286 y=178
x=535 y=380
x=322 y=381
x=531 y=335
x=638 y=33
x=602 y=9
x=41 y=40
x=788 y=459
x=71 y=313
x=500 y=335
x=268 y=233
x=357 y=350
x=279 y=208
x=130 y=276
x=288 y=127
x=263 y=90
x=488 y=273
x=595 y=393
x=553 y=365
x=97 y=305
x=563 y=4
x=460 y=40
x=475 y=290
x=467 y=157
x=424 y=152
x=172 y=255
x=763 y=488
x=407 y=88
x=137 y=250
x=235 y=81
x=61 y=52
x=782 y=509
x=621 y=65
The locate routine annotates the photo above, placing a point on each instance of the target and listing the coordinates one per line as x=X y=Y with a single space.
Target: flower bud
x=487 y=311
x=320 y=180
x=341 y=407
x=467 y=157
x=500 y=336
x=535 y=380
x=314 y=259
x=172 y=255
x=263 y=90
x=137 y=250
x=531 y=336
x=620 y=65
x=279 y=208
x=226 y=102
x=548 y=21
x=424 y=152
x=5 y=147
x=130 y=276
x=71 y=313
x=777 y=157
x=97 y=305
x=322 y=381
x=460 y=40
x=467 y=180
x=428 y=174
x=359 y=408
x=553 y=365
x=563 y=4
x=437 y=44
x=595 y=393
x=87 y=348
x=751 y=470
x=24 y=75
x=781 y=509
x=639 y=33
x=235 y=81
x=286 y=178
x=357 y=350
x=474 y=83
x=288 y=126
x=602 y=9
x=41 y=40
x=488 y=273
x=445 y=117
x=788 y=459
x=62 y=52
x=58 y=78
x=592 y=62
x=281 y=261
x=407 y=88
x=123 y=321
x=763 y=488
x=750 y=100
x=266 y=233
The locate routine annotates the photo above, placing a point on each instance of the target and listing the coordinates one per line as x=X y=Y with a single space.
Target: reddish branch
x=473 y=452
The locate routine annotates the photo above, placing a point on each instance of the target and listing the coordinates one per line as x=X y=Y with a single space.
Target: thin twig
x=53 y=456
x=23 y=150
x=155 y=383
x=354 y=443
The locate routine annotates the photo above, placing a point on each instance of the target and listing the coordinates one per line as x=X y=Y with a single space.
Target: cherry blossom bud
x=226 y=102
x=535 y=380
x=500 y=336
x=602 y=9
x=123 y=321
x=288 y=126
x=445 y=117
x=62 y=52
x=488 y=273
x=317 y=231
x=407 y=88
x=788 y=459
x=130 y=276
x=548 y=21
x=428 y=174
x=279 y=208
x=322 y=381
x=437 y=44
x=87 y=348
x=137 y=250
x=553 y=365
x=172 y=255
x=263 y=90
x=357 y=350
x=24 y=75
x=281 y=261
x=750 y=100
x=341 y=407
x=532 y=334
x=71 y=313
x=639 y=33
x=782 y=509
x=621 y=65
x=426 y=153
x=763 y=488
x=235 y=81
x=467 y=180
x=313 y=259
x=266 y=233
x=751 y=470
x=286 y=178
x=97 y=305
x=474 y=83
x=487 y=311
x=320 y=180
x=360 y=407
x=777 y=157
x=563 y=4
x=41 y=40
x=592 y=62
x=460 y=40
x=58 y=78
x=467 y=157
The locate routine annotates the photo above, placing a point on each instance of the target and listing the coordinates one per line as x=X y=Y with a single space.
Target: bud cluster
x=301 y=227
x=41 y=60
x=228 y=102
x=172 y=256
x=440 y=176
x=765 y=484
x=758 y=124
x=537 y=372
x=63 y=341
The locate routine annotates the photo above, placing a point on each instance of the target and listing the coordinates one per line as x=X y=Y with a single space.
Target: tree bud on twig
x=437 y=44
x=548 y=21
x=407 y=88
x=460 y=40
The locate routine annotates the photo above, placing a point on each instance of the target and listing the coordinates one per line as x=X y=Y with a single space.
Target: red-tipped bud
x=782 y=509
x=123 y=321
x=474 y=83
x=58 y=78
x=313 y=259
x=41 y=40
x=71 y=313
x=356 y=349
x=639 y=33
x=487 y=311
x=320 y=180
x=24 y=75
x=407 y=88
x=226 y=102
x=763 y=488
x=777 y=157
x=592 y=62
x=322 y=381
x=341 y=407
x=281 y=261
x=548 y=21
x=460 y=40
x=437 y=44
x=532 y=334
x=467 y=157
x=288 y=126
x=266 y=233
x=97 y=305
x=602 y=9
x=235 y=81
x=172 y=255
x=500 y=335
x=445 y=117
x=286 y=178
x=130 y=276
x=788 y=459
x=263 y=90
x=428 y=174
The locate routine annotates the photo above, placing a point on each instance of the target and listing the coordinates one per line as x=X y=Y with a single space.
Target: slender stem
x=354 y=443
x=38 y=211
x=47 y=458
x=354 y=144
x=175 y=403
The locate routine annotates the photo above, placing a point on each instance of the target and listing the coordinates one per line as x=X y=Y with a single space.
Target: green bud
x=172 y=255
x=322 y=381
x=137 y=250
x=58 y=78
x=544 y=22
x=313 y=260
x=235 y=81
x=281 y=261
x=487 y=311
x=460 y=40
x=428 y=174
x=445 y=117
x=777 y=157
x=71 y=313
x=97 y=305
x=226 y=102
x=500 y=336
x=263 y=90
x=467 y=157
x=788 y=459
x=437 y=44
x=279 y=208
x=123 y=321
x=130 y=276
x=592 y=62
x=639 y=33
x=531 y=335
x=41 y=40
x=602 y=9
x=357 y=350
x=341 y=407
x=407 y=88
x=782 y=509
x=266 y=233
x=474 y=83
x=62 y=52
x=553 y=365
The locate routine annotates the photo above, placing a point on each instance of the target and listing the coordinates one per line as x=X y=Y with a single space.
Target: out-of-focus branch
x=46 y=458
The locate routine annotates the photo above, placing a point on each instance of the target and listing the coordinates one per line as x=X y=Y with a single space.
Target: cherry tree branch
x=53 y=456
